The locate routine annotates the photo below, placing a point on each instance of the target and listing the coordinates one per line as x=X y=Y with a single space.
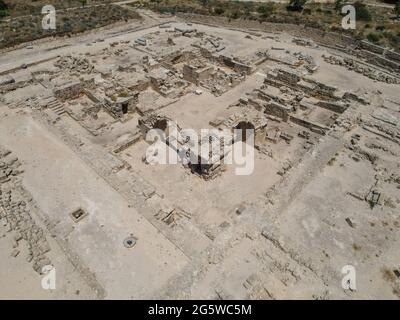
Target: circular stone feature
x=130 y=242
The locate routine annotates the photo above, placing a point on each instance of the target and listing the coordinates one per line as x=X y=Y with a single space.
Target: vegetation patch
x=379 y=25
x=27 y=28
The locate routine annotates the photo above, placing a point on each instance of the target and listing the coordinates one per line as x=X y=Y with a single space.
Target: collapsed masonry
x=205 y=66
x=118 y=106
x=367 y=71
x=144 y=86
x=297 y=96
x=207 y=165
x=377 y=55
x=16 y=216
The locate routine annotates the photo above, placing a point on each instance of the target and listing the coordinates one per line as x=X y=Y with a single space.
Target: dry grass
x=27 y=28
x=381 y=29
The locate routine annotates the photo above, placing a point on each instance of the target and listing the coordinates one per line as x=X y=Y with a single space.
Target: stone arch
x=244 y=125
x=161 y=124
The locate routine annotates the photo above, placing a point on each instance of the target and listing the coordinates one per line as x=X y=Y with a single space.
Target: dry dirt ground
x=267 y=235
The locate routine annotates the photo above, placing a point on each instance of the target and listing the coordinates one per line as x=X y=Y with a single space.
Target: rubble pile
x=390 y=132
x=15 y=215
x=74 y=64
x=222 y=82
x=371 y=73
x=303 y=42
x=309 y=62
x=211 y=43
x=9 y=166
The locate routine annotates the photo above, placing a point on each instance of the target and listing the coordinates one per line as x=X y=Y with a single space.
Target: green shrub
x=393 y=38
x=397 y=8
x=235 y=15
x=3 y=9
x=374 y=37
x=219 y=11
x=296 y=5
x=266 y=10
x=362 y=12
x=338 y=4
x=3 y=5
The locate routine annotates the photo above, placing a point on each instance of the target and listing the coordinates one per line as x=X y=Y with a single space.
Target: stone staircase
x=17 y=104
x=200 y=57
x=56 y=106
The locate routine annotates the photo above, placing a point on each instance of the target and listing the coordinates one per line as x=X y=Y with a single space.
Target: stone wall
x=372 y=47
x=278 y=110
x=195 y=75
x=288 y=77
x=235 y=65
x=68 y=91
x=121 y=106
x=334 y=106
x=393 y=55
x=309 y=125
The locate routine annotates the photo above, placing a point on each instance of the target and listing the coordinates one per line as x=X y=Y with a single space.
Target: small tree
x=235 y=15
x=296 y=5
x=338 y=4
x=362 y=12
x=266 y=10
x=3 y=9
x=3 y=6
x=374 y=37
x=397 y=8
x=219 y=11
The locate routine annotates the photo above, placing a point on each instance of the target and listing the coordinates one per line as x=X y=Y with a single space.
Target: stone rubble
x=371 y=73
x=15 y=214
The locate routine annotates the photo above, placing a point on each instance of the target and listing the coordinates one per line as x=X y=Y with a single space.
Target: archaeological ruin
x=320 y=124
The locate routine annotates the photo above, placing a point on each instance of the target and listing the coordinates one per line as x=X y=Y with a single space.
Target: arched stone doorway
x=161 y=124
x=243 y=135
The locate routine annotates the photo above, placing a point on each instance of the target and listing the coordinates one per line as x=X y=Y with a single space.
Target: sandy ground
x=72 y=185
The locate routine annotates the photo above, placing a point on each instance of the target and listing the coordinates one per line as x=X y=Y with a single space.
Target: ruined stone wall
x=235 y=65
x=115 y=108
x=70 y=91
x=301 y=31
x=379 y=60
x=323 y=89
x=194 y=75
x=352 y=96
x=372 y=47
x=334 y=40
x=333 y=106
x=309 y=125
x=13 y=86
x=277 y=110
x=288 y=77
x=91 y=96
x=189 y=73
x=392 y=55
x=140 y=86
x=16 y=209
